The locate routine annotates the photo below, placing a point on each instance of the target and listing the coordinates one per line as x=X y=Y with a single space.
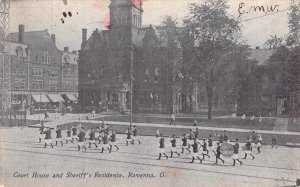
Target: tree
x=274 y=42
x=169 y=34
x=216 y=35
x=293 y=38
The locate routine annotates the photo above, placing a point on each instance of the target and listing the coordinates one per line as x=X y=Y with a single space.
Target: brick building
x=38 y=71
x=108 y=57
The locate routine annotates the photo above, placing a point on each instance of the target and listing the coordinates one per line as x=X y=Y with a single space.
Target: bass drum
x=227 y=150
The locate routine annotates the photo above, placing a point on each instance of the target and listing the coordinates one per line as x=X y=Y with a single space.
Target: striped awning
x=55 y=98
x=71 y=97
x=40 y=98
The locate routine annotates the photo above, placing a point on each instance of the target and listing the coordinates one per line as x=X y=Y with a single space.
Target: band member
x=235 y=156
x=225 y=136
x=196 y=133
x=81 y=138
x=92 y=138
x=248 y=150
x=191 y=137
x=204 y=149
x=184 y=144
x=157 y=134
x=48 y=139
x=221 y=137
x=58 y=136
x=195 y=123
x=46 y=116
x=195 y=147
x=74 y=133
x=274 y=142
x=69 y=136
x=259 y=142
x=210 y=145
x=172 y=122
x=128 y=138
x=218 y=153
x=98 y=134
x=162 y=147
x=113 y=140
x=135 y=134
x=42 y=133
x=173 y=146
x=105 y=144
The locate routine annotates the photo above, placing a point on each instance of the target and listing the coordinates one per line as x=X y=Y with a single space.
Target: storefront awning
x=40 y=98
x=71 y=97
x=55 y=98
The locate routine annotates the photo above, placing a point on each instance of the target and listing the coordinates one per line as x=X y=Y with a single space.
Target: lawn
x=265 y=124
x=294 y=126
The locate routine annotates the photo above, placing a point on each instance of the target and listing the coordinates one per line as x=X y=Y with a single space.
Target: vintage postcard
x=149 y=93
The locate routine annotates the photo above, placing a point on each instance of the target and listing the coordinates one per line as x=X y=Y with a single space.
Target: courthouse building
x=108 y=57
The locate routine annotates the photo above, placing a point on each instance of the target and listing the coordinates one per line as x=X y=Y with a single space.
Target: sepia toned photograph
x=149 y=93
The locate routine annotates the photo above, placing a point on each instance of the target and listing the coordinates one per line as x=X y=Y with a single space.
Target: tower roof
x=137 y=3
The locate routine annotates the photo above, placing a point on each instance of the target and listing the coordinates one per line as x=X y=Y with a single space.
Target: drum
x=226 y=150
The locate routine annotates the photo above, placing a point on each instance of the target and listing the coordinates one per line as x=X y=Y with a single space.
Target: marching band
x=105 y=138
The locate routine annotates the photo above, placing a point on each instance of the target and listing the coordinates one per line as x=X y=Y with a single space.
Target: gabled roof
x=38 y=40
x=100 y=38
x=97 y=39
x=261 y=55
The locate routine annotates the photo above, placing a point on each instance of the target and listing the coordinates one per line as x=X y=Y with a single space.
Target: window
x=37 y=85
x=20 y=56
x=36 y=58
x=16 y=69
x=34 y=86
x=38 y=72
x=40 y=85
x=147 y=75
x=156 y=74
x=53 y=85
x=19 y=84
x=67 y=72
x=53 y=73
x=23 y=70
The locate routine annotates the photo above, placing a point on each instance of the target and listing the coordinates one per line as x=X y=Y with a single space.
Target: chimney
x=21 y=33
x=53 y=37
x=257 y=47
x=66 y=49
x=84 y=38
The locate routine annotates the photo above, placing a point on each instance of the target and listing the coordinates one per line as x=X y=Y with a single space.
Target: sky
x=92 y=14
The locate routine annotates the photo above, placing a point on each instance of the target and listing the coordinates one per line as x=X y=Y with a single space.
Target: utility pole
x=131 y=80
x=5 y=62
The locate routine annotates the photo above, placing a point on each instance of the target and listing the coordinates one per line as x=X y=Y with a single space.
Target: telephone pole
x=5 y=62
x=131 y=80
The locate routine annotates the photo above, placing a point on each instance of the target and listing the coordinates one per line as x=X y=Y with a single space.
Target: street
x=25 y=162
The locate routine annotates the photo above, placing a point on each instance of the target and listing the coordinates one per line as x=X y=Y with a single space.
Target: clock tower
x=125 y=19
